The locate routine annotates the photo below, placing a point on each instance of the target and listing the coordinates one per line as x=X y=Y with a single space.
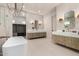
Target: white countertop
x=13 y=41
x=68 y=34
x=35 y=31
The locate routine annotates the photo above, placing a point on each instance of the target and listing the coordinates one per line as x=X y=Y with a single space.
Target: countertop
x=35 y=31
x=68 y=34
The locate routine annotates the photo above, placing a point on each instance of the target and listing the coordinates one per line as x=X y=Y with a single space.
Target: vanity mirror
x=36 y=24
x=69 y=20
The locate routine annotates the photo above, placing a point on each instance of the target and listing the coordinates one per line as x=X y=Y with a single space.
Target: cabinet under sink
x=66 y=39
x=33 y=35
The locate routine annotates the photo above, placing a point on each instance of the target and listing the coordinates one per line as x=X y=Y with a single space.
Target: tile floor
x=45 y=47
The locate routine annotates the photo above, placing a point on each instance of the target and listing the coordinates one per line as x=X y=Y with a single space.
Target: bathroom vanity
x=36 y=34
x=68 y=39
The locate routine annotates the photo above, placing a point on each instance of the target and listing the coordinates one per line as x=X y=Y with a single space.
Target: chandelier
x=15 y=8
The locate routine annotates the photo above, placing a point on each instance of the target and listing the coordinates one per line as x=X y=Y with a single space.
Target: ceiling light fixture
x=39 y=11
x=15 y=8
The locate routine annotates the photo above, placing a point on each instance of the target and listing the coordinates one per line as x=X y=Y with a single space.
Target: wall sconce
x=32 y=22
x=78 y=16
x=40 y=22
x=60 y=19
x=13 y=21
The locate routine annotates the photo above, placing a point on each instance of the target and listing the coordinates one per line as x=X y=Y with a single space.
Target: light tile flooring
x=45 y=47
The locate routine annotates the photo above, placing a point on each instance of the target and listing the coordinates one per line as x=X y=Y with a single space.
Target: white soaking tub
x=15 y=46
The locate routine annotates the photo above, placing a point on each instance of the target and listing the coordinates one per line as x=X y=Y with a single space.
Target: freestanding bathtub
x=15 y=46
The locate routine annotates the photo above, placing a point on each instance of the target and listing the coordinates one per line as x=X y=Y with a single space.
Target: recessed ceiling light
x=23 y=6
x=39 y=11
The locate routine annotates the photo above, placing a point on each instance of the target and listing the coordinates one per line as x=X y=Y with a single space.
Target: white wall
x=2 y=29
x=47 y=24
x=8 y=22
x=5 y=20
x=5 y=24
x=63 y=8
x=50 y=23
x=19 y=19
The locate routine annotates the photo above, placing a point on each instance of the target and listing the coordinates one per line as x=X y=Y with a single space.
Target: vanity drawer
x=55 y=38
x=36 y=35
x=68 y=41
x=75 y=43
x=59 y=39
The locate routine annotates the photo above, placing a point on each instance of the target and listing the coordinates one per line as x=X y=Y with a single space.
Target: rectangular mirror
x=69 y=20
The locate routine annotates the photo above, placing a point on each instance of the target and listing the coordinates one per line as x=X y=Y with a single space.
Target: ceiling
x=40 y=8
x=37 y=8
